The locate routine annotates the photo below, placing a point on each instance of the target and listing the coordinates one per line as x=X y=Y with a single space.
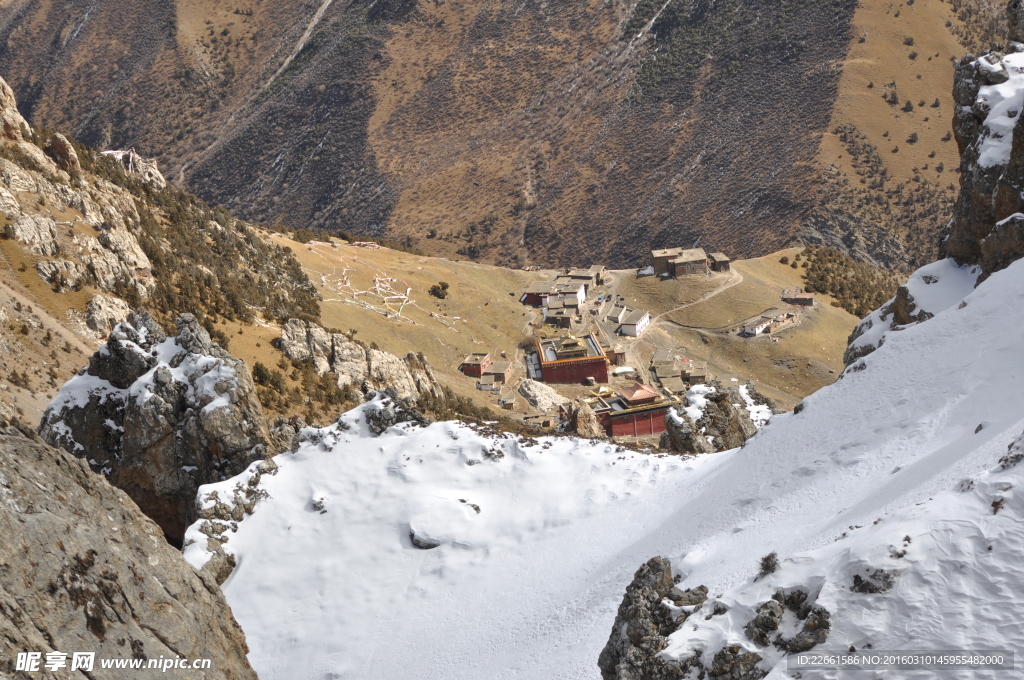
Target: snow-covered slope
x=328 y=583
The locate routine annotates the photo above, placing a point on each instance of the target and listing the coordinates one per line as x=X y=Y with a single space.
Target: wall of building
x=575 y=372
x=637 y=424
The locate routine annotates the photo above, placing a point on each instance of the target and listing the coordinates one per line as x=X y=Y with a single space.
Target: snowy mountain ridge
x=329 y=582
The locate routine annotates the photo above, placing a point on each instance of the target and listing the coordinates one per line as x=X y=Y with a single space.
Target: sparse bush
x=769 y=564
x=783 y=260
x=912 y=139
x=908 y=107
x=908 y=41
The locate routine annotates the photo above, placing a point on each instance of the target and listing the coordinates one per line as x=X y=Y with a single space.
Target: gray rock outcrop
x=583 y=421
x=353 y=364
x=145 y=169
x=653 y=608
x=682 y=434
x=641 y=626
x=160 y=417
x=35 y=231
x=103 y=313
x=83 y=569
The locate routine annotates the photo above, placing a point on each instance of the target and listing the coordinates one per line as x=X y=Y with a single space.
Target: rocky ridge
x=160 y=416
x=82 y=569
x=356 y=365
x=724 y=419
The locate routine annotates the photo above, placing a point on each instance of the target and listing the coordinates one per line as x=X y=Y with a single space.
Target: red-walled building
x=570 y=360
x=636 y=411
x=475 y=364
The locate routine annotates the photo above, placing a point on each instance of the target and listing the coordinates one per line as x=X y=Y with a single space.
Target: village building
x=680 y=261
x=719 y=262
x=795 y=296
x=635 y=322
x=591 y=278
x=537 y=292
x=500 y=372
x=618 y=313
x=557 y=313
x=569 y=359
x=475 y=364
x=676 y=376
x=636 y=411
x=769 y=323
x=617 y=355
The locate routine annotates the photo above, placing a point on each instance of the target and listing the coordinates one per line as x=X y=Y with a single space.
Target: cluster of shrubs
x=859 y=288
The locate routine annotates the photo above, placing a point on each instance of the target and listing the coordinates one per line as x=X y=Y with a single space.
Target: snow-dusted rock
x=160 y=416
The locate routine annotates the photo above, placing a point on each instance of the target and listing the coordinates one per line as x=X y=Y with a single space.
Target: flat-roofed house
x=795 y=296
x=680 y=261
x=692 y=261
x=500 y=372
x=474 y=364
x=536 y=292
x=662 y=258
x=758 y=326
x=635 y=322
x=719 y=262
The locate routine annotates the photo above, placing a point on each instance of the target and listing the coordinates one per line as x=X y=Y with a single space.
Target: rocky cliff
x=83 y=570
x=986 y=231
x=160 y=416
x=356 y=365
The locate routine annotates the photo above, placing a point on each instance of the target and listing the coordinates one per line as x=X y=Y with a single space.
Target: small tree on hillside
x=439 y=290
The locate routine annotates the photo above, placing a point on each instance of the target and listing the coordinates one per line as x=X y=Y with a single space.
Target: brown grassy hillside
x=516 y=133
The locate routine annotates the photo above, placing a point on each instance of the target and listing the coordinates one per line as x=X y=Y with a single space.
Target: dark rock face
x=641 y=626
x=160 y=417
x=82 y=569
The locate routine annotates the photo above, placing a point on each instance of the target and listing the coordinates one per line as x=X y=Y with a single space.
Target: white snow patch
x=697 y=398
x=759 y=413
x=529 y=586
